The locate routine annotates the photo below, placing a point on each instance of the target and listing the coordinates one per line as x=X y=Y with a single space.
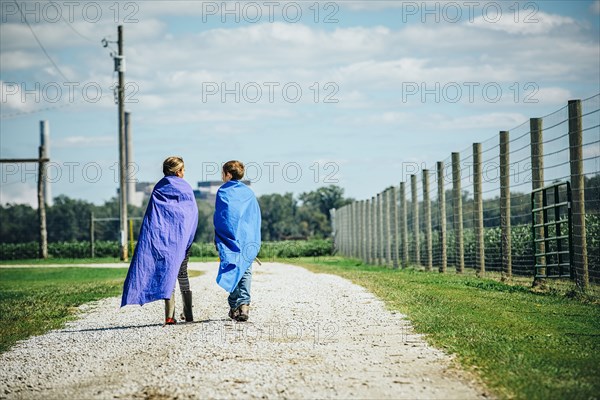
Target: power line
x=40 y=43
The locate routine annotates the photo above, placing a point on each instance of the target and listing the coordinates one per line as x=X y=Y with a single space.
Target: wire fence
x=483 y=209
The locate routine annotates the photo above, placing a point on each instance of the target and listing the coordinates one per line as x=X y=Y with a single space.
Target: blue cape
x=167 y=231
x=237 y=232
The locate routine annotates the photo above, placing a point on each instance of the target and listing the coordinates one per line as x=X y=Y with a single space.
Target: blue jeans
x=241 y=293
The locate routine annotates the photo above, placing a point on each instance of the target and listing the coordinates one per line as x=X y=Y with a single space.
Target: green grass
x=35 y=300
x=523 y=344
x=67 y=261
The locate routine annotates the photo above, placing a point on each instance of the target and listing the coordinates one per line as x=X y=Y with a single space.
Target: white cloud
x=553 y=95
x=13 y=97
x=538 y=23
x=493 y=121
x=19 y=59
x=19 y=193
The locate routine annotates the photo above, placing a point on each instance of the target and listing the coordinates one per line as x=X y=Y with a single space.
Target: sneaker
x=170 y=321
x=243 y=312
x=233 y=313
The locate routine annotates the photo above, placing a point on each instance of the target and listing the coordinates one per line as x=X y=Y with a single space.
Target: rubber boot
x=187 y=306
x=170 y=310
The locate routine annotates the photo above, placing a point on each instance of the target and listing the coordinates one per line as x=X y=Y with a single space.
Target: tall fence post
x=478 y=205
x=377 y=229
x=347 y=230
x=537 y=181
x=442 y=210
x=457 y=213
x=356 y=227
x=373 y=230
x=415 y=219
x=580 y=256
x=368 y=231
x=342 y=229
x=505 y=204
x=357 y=241
x=363 y=232
x=506 y=241
x=382 y=238
x=92 y=249
x=404 y=224
x=387 y=227
x=353 y=229
x=394 y=218
x=427 y=220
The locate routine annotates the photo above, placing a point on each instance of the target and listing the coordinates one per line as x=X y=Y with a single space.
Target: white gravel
x=309 y=336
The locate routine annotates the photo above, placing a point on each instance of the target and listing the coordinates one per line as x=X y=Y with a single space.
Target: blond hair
x=235 y=168
x=172 y=165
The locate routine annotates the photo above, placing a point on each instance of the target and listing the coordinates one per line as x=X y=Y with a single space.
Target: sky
x=305 y=93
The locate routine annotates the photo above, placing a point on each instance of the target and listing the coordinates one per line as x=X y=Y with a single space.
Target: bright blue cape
x=237 y=232
x=167 y=231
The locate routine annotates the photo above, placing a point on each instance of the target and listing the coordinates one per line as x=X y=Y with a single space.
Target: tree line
x=283 y=217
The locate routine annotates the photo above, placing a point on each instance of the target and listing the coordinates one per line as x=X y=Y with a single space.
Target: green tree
x=325 y=198
x=312 y=222
x=278 y=216
x=68 y=219
x=18 y=223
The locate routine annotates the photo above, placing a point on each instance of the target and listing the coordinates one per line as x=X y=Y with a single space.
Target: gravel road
x=309 y=336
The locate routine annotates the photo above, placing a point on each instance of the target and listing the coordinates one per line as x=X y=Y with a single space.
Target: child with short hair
x=237 y=223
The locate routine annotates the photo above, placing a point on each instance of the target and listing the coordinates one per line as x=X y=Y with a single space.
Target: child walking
x=237 y=223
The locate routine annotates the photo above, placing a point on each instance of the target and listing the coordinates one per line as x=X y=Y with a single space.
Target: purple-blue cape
x=237 y=232
x=167 y=231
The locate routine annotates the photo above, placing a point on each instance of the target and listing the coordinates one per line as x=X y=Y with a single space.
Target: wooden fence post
x=442 y=211
x=373 y=230
x=415 y=219
x=537 y=181
x=404 y=224
x=394 y=217
x=580 y=256
x=505 y=204
x=387 y=224
x=457 y=213
x=379 y=230
x=478 y=210
x=368 y=231
x=427 y=220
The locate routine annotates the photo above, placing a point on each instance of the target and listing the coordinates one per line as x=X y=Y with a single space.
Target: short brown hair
x=172 y=165
x=235 y=168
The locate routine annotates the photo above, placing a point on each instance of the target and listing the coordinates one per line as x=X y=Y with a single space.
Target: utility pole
x=129 y=155
x=120 y=67
x=43 y=251
x=45 y=143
